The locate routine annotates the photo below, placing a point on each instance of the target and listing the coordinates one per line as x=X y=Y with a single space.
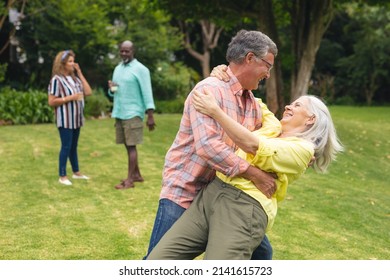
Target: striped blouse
x=68 y=115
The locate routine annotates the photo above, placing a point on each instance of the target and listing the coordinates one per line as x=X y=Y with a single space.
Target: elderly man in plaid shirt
x=201 y=147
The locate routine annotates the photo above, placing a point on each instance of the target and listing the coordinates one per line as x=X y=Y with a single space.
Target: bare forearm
x=87 y=88
x=58 y=101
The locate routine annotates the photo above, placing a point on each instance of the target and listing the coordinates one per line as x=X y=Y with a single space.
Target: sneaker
x=80 y=177
x=65 y=182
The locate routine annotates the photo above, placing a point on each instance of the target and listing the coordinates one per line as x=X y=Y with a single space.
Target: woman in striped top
x=66 y=92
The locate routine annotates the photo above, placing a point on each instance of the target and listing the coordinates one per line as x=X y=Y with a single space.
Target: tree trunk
x=10 y=4
x=210 y=37
x=310 y=20
x=371 y=88
x=274 y=85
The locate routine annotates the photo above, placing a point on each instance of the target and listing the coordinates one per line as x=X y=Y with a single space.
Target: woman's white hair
x=322 y=134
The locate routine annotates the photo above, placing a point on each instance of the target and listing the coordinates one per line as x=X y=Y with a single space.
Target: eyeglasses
x=269 y=65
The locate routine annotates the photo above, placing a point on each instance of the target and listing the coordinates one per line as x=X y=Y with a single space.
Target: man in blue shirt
x=131 y=89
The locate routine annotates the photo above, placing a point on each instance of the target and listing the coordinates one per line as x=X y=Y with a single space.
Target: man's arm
x=264 y=181
x=150 y=121
x=145 y=84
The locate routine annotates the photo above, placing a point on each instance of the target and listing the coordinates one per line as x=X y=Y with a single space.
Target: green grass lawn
x=344 y=214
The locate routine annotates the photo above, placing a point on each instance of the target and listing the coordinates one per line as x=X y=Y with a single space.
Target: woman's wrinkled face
x=297 y=114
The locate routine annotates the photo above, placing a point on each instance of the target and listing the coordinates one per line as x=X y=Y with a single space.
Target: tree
x=308 y=20
x=370 y=61
x=54 y=25
x=142 y=22
x=210 y=37
x=209 y=18
x=93 y=29
x=9 y=10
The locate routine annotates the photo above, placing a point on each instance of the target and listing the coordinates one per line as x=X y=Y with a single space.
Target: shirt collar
x=235 y=84
x=128 y=64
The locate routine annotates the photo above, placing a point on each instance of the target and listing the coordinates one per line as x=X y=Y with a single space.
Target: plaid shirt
x=202 y=147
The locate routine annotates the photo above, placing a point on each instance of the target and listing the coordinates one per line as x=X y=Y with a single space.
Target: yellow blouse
x=287 y=157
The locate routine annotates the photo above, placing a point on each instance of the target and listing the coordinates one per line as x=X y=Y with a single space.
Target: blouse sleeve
x=284 y=155
x=54 y=88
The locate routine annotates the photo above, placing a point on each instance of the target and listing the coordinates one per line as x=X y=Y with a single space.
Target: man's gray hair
x=249 y=41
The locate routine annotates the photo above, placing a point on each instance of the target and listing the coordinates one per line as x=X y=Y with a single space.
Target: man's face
x=126 y=53
x=258 y=69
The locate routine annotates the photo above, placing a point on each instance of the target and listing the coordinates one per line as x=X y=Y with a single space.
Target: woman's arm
x=56 y=96
x=86 y=86
x=205 y=103
x=55 y=101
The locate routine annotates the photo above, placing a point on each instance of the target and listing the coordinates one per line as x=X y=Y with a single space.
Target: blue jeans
x=167 y=214
x=69 y=141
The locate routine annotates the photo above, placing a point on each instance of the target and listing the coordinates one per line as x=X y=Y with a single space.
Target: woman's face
x=69 y=65
x=296 y=116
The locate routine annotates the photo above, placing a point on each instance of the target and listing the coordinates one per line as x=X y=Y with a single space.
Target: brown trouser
x=222 y=221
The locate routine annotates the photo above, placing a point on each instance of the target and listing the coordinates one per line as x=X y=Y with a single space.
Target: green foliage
x=222 y=13
x=355 y=53
x=345 y=100
x=170 y=106
x=32 y=107
x=97 y=104
x=25 y=107
x=53 y=26
x=92 y=29
x=3 y=70
x=371 y=58
x=148 y=28
x=172 y=80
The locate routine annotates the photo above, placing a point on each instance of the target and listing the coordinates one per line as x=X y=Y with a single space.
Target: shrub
x=29 y=107
x=170 y=106
x=172 y=81
x=97 y=104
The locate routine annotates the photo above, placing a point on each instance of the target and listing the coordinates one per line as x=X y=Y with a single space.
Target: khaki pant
x=129 y=132
x=222 y=221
